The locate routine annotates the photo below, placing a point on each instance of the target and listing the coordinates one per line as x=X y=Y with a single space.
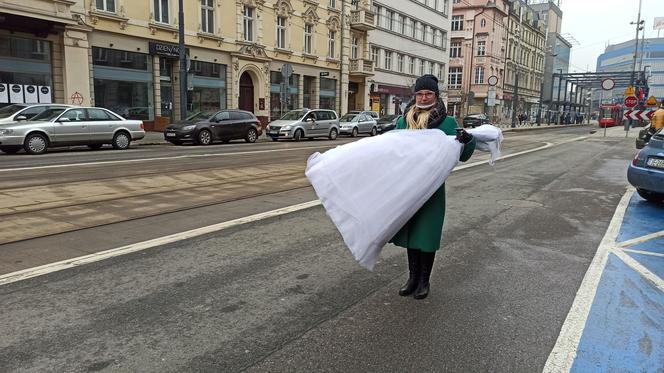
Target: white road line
x=638 y=240
x=563 y=353
x=643 y=252
x=70 y=263
x=162 y=158
x=640 y=269
x=82 y=260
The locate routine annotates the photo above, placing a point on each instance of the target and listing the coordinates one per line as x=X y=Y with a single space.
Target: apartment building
x=477 y=53
x=524 y=67
x=410 y=39
x=123 y=54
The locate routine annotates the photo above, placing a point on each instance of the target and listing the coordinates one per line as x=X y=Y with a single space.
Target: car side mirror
x=21 y=117
x=64 y=120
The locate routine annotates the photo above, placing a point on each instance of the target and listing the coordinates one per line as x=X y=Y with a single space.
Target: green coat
x=425 y=229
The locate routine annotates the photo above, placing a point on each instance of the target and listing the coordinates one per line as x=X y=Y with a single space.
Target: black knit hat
x=428 y=82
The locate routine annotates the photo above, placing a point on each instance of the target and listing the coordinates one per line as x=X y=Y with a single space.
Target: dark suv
x=475 y=120
x=224 y=125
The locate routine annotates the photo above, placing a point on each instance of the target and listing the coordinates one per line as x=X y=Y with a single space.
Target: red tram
x=610 y=115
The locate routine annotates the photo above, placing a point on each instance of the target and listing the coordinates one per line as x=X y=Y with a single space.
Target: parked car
x=354 y=124
x=644 y=136
x=373 y=114
x=475 y=120
x=646 y=172
x=53 y=127
x=388 y=123
x=224 y=126
x=305 y=123
x=19 y=112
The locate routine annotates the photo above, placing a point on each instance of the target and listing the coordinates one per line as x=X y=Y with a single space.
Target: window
x=408 y=27
x=117 y=58
x=248 y=14
x=330 y=44
x=98 y=114
x=422 y=67
x=426 y=36
x=411 y=65
x=353 y=47
x=308 y=37
x=224 y=115
x=455 y=49
x=377 y=10
x=389 y=20
x=454 y=77
x=431 y=67
x=456 y=1
x=107 y=5
x=333 y=4
x=374 y=55
x=443 y=43
x=483 y=23
x=479 y=75
x=481 y=48
x=207 y=16
x=388 y=60
x=414 y=30
x=74 y=115
x=400 y=63
x=281 y=32
x=402 y=25
x=436 y=37
x=457 y=23
x=441 y=71
x=161 y=11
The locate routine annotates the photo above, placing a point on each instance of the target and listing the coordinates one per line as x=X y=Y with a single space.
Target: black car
x=475 y=120
x=388 y=122
x=644 y=136
x=224 y=125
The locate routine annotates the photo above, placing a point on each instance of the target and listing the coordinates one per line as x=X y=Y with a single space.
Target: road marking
x=643 y=252
x=638 y=240
x=564 y=352
x=91 y=258
x=163 y=158
x=87 y=259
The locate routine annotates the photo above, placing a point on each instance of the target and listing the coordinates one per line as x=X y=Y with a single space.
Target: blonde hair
x=417 y=119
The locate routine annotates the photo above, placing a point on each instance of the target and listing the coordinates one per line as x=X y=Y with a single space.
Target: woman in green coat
x=422 y=233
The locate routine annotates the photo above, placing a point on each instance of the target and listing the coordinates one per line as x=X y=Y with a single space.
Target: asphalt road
x=284 y=294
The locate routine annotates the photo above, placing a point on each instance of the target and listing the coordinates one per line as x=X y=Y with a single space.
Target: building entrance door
x=166 y=87
x=246 y=99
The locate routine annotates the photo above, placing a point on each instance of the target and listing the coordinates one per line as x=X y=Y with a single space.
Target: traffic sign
x=608 y=84
x=629 y=91
x=652 y=101
x=639 y=114
x=631 y=101
x=493 y=80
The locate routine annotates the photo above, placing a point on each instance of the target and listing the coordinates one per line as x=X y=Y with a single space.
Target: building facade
x=619 y=57
x=477 y=52
x=524 y=66
x=123 y=55
x=410 y=40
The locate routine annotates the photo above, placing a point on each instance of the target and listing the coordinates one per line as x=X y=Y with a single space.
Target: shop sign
x=325 y=73
x=164 y=49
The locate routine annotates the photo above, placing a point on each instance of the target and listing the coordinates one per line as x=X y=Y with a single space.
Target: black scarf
x=437 y=116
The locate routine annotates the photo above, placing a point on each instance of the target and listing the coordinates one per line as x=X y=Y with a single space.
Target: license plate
x=170 y=134
x=656 y=162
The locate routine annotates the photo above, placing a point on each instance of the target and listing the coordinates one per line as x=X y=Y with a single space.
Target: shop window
x=129 y=99
x=33 y=49
x=117 y=58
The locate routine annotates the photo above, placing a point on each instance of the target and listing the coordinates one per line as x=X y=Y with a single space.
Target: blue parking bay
x=624 y=331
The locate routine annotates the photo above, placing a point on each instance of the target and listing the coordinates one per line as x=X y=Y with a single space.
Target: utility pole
x=183 y=63
x=639 y=27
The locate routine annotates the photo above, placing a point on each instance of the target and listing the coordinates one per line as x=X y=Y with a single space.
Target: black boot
x=413 y=273
x=426 y=264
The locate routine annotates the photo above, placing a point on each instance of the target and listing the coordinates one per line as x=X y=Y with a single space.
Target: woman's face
x=425 y=97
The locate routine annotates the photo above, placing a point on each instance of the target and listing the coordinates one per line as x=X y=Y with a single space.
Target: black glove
x=462 y=136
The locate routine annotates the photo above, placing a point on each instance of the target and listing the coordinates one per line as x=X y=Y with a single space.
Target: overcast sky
x=594 y=23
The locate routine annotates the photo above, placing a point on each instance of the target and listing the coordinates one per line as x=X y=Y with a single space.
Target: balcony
x=362 y=19
x=361 y=67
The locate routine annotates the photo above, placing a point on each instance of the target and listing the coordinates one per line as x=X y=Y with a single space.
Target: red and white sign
x=639 y=114
x=631 y=101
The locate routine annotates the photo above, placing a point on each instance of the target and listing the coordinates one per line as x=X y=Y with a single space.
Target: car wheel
x=297 y=136
x=333 y=134
x=374 y=131
x=252 y=135
x=651 y=196
x=204 y=137
x=10 y=149
x=354 y=132
x=35 y=144
x=121 y=141
x=95 y=146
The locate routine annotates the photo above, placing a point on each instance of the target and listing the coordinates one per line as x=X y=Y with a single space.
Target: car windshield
x=198 y=116
x=48 y=114
x=294 y=115
x=349 y=118
x=10 y=110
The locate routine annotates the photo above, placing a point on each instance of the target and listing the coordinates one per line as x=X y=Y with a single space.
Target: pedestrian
x=421 y=235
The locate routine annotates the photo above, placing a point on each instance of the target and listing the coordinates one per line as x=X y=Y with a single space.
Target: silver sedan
x=89 y=126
